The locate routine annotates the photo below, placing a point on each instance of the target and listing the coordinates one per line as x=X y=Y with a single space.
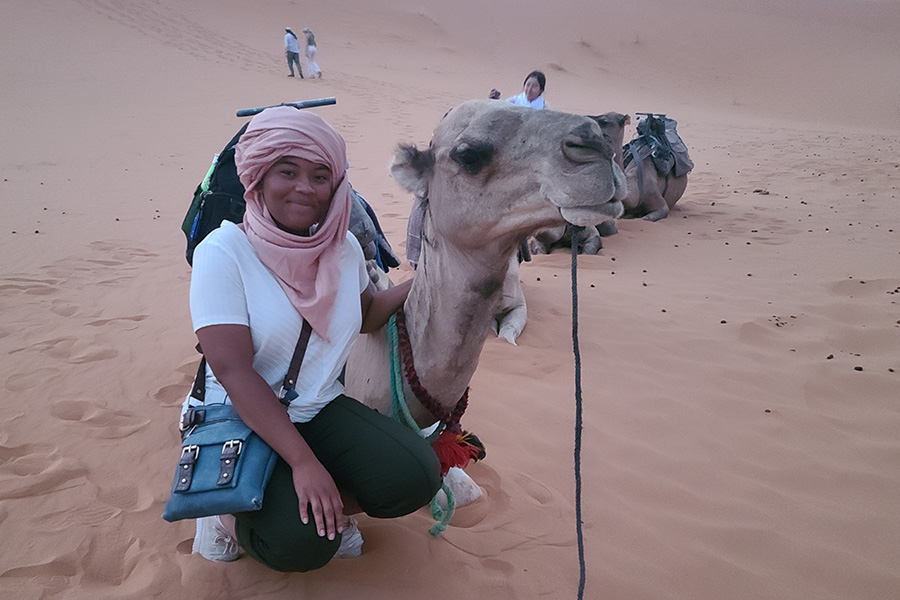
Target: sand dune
x=740 y=358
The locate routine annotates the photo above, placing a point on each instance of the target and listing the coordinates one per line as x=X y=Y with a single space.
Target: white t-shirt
x=522 y=100
x=230 y=286
x=291 y=44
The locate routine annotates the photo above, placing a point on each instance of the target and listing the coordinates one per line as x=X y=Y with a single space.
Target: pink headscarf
x=306 y=267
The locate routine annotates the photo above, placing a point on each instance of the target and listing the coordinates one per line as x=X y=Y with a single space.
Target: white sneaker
x=214 y=542
x=351 y=541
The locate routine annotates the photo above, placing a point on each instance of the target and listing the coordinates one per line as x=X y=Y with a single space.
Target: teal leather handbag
x=224 y=466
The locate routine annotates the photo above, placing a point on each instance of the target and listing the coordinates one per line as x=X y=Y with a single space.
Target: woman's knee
x=409 y=487
x=286 y=551
x=276 y=537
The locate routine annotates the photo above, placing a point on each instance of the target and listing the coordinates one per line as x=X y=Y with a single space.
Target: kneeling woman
x=252 y=286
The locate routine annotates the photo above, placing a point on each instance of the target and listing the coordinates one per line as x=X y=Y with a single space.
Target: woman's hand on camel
x=316 y=490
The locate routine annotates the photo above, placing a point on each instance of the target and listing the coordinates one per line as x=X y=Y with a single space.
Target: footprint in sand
x=19 y=382
x=176 y=30
x=63 y=308
x=536 y=490
x=52 y=572
x=172 y=395
x=107 y=423
x=129 y=497
x=74 y=350
x=87 y=514
x=36 y=469
x=32 y=287
x=128 y=322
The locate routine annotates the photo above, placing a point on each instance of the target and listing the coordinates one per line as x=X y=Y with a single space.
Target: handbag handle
x=290 y=380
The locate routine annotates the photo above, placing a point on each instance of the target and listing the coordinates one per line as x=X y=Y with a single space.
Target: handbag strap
x=290 y=380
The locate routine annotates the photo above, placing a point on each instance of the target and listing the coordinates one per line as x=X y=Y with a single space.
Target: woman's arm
x=377 y=307
x=229 y=352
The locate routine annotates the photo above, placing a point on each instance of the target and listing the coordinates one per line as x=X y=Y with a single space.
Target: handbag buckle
x=232 y=448
x=287 y=395
x=230 y=451
x=191 y=417
x=185 y=473
x=188 y=450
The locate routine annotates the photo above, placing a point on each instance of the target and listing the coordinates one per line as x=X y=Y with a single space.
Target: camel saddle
x=657 y=138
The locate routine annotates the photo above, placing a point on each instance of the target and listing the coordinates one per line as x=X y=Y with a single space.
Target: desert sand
x=741 y=359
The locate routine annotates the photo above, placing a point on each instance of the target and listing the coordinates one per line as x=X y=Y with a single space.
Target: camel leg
x=675 y=190
x=513 y=313
x=658 y=214
x=510 y=326
x=590 y=238
x=542 y=242
x=607 y=228
x=465 y=490
x=652 y=199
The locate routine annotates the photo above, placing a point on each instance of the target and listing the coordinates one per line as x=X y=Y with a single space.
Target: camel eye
x=472 y=157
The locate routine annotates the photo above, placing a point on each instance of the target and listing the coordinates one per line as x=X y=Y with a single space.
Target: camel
x=588 y=238
x=647 y=194
x=493 y=175
x=650 y=194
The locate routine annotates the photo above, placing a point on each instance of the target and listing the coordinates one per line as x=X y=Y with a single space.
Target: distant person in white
x=292 y=52
x=312 y=67
x=532 y=95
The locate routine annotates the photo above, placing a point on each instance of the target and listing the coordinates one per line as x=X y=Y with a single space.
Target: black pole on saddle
x=578 y=411
x=249 y=112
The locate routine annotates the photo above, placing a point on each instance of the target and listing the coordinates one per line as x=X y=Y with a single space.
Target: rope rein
x=401 y=350
x=449 y=418
x=578 y=419
x=400 y=413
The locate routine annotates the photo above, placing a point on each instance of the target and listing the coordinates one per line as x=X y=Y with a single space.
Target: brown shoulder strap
x=290 y=380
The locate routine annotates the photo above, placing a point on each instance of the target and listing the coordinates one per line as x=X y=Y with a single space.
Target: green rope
x=400 y=413
x=440 y=515
x=399 y=409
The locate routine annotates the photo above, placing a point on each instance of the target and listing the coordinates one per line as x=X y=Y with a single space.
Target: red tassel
x=454 y=449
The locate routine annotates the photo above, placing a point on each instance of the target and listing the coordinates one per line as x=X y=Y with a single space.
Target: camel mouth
x=588 y=216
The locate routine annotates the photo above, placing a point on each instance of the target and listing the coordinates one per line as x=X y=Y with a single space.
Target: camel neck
x=449 y=312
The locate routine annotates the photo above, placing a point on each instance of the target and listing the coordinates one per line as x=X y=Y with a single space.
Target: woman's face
x=297 y=193
x=532 y=88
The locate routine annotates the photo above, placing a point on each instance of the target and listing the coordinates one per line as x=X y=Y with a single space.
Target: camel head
x=613 y=125
x=495 y=174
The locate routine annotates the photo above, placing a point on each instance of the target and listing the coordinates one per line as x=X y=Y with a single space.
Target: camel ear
x=627 y=120
x=411 y=169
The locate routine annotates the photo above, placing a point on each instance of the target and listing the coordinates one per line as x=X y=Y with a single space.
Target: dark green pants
x=389 y=469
